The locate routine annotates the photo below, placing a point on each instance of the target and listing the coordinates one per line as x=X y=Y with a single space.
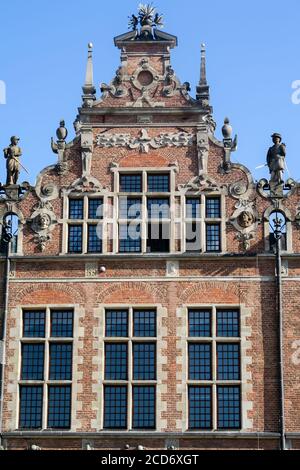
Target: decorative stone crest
x=245 y=220
x=87 y=184
x=43 y=221
x=199 y=184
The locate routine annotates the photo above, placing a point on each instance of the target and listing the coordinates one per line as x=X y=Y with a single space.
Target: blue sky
x=253 y=57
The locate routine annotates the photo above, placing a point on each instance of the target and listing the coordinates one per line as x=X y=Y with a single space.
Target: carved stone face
x=246 y=219
x=43 y=221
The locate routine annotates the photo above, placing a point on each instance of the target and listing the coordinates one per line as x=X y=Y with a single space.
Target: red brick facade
x=241 y=275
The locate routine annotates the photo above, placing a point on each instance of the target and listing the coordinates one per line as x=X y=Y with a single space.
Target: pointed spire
x=203 y=88
x=203 y=66
x=89 y=91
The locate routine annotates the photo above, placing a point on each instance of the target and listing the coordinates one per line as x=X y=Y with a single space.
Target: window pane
x=32 y=362
x=213 y=242
x=192 y=207
x=60 y=361
x=158 y=208
x=228 y=324
x=129 y=238
x=34 y=324
x=158 y=183
x=193 y=236
x=158 y=239
x=213 y=208
x=228 y=360
x=199 y=361
x=59 y=406
x=144 y=323
x=144 y=363
x=75 y=239
x=229 y=407
x=62 y=323
x=75 y=208
x=200 y=408
x=131 y=183
x=116 y=323
x=95 y=238
x=95 y=208
x=31 y=407
x=199 y=323
x=129 y=208
x=115 y=361
x=143 y=407
x=115 y=407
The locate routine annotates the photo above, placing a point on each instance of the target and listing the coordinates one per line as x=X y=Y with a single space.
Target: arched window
x=278 y=228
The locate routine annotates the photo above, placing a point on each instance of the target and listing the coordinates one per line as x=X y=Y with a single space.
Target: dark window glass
x=144 y=323
x=116 y=323
x=228 y=360
x=34 y=324
x=32 y=362
x=228 y=324
x=158 y=240
x=200 y=416
x=129 y=208
x=158 y=208
x=143 y=407
x=282 y=242
x=115 y=361
x=59 y=406
x=193 y=236
x=131 y=183
x=158 y=183
x=115 y=407
x=94 y=238
x=199 y=323
x=31 y=407
x=95 y=209
x=213 y=208
x=75 y=239
x=129 y=238
x=144 y=363
x=60 y=361
x=62 y=323
x=213 y=238
x=199 y=361
x=76 y=209
x=192 y=208
x=229 y=407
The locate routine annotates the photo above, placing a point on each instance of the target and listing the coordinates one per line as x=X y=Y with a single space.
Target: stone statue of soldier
x=12 y=155
x=275 y=159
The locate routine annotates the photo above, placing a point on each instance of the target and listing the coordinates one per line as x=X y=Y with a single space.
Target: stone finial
x=227 y=129
x=89 y=91
x=61 y=131
x=202 y=89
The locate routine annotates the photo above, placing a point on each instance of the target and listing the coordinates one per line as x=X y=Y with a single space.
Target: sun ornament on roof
x=148 y=19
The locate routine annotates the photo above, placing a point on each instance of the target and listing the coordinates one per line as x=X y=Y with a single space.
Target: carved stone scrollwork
x=144 y=141
x=238 y=188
